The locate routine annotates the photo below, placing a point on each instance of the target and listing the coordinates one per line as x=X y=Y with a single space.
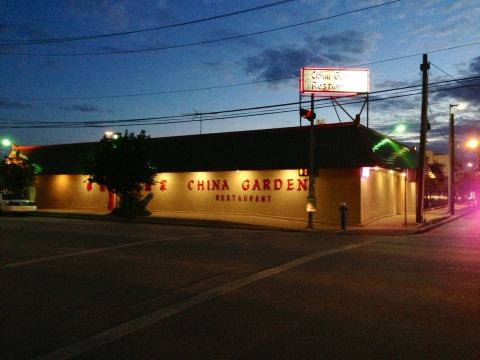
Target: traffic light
x=307 y=114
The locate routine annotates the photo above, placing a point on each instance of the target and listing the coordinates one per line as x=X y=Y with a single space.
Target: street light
x=6 y=142
x=111 y=135
x=6 y=148
x=451 y=156
x=474 y=144
x=400 y=128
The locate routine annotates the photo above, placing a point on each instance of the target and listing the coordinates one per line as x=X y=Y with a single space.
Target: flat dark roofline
x=342 y=145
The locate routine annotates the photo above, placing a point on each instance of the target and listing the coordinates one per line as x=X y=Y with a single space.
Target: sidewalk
x=395 y=225
x=391 y=225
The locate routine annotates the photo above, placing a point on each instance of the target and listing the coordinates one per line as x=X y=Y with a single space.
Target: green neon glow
x=381 y=143
x=394 y=151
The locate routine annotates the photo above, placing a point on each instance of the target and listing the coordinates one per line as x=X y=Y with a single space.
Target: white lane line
x=143 y=321
x=93 y=251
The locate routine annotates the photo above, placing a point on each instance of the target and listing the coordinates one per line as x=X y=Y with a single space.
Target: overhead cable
x=204 y=42
x=19 y=42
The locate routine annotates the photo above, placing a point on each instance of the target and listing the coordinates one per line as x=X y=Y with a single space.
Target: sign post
x=326 y=82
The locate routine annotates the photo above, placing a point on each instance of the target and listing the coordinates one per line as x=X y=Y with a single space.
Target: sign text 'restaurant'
x=331 y=81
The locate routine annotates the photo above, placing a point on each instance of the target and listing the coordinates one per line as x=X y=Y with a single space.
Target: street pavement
x=388 y=225
x=99 y=289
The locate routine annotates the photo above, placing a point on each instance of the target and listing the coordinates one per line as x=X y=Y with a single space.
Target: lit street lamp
x=398 y=129
x=474 y=144
x=111 y=135
x=6 y=142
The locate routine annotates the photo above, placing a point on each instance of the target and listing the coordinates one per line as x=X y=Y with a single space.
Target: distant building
x=257 y=173
x=442 y=159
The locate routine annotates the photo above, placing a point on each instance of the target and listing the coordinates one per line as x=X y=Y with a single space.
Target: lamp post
x=451 y=157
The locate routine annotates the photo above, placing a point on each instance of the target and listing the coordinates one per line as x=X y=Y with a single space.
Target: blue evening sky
x=42 y=88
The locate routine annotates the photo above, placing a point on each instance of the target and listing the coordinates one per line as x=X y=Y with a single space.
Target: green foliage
x=16 y=174
x=122 y=164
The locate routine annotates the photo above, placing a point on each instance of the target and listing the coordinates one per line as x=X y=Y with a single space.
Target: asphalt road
x=100 y=290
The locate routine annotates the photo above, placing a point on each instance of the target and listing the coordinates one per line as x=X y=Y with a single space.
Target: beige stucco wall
x=378 y=195
x=335 y=186
x=383 y=194
x=410 y=195
x=68 y=192
x=279 y=193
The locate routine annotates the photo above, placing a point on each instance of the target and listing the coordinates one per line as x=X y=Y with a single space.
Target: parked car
x=12 y=203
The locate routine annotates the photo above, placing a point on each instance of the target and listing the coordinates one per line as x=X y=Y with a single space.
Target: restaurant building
x=259 y=173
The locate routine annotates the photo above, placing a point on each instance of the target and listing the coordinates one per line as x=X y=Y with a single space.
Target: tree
x=17 y=174
x=435 y=185
x=122 y=164
x=435 y=181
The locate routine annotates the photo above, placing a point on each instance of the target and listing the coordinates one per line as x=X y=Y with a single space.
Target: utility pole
x=451 y=175
x=311 y=169
x=423 y=140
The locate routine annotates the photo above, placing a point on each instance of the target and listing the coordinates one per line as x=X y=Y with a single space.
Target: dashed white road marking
x=93 y=251
x=141 y=322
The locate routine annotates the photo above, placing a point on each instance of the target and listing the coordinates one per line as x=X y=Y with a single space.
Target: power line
x=234 y=37
x=184 y=90
x=446 y=73
x=206 y=116
x=19 y=42
x=407 y=91
x=223 y=86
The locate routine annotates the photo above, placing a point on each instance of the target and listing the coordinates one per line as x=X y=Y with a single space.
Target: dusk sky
x=44 y=81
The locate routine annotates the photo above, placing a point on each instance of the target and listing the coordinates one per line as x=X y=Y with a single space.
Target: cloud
x=4 y=104
x=466 y=91
x=474 y=66
x=399 y=105
x=85 y=109
x=283 y=62
x=456 y=17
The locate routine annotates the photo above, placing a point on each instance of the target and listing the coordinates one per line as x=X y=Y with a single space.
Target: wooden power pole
x=451 y=174
x=423 y=141
x=311 y=168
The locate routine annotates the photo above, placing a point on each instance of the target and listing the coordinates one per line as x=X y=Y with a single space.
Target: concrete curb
x=162 y=221
x=244 y=226
x=443 y=220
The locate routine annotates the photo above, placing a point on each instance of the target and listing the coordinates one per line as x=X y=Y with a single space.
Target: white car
x=9 y=203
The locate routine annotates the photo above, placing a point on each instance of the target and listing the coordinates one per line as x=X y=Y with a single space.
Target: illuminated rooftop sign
x=333 y=81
